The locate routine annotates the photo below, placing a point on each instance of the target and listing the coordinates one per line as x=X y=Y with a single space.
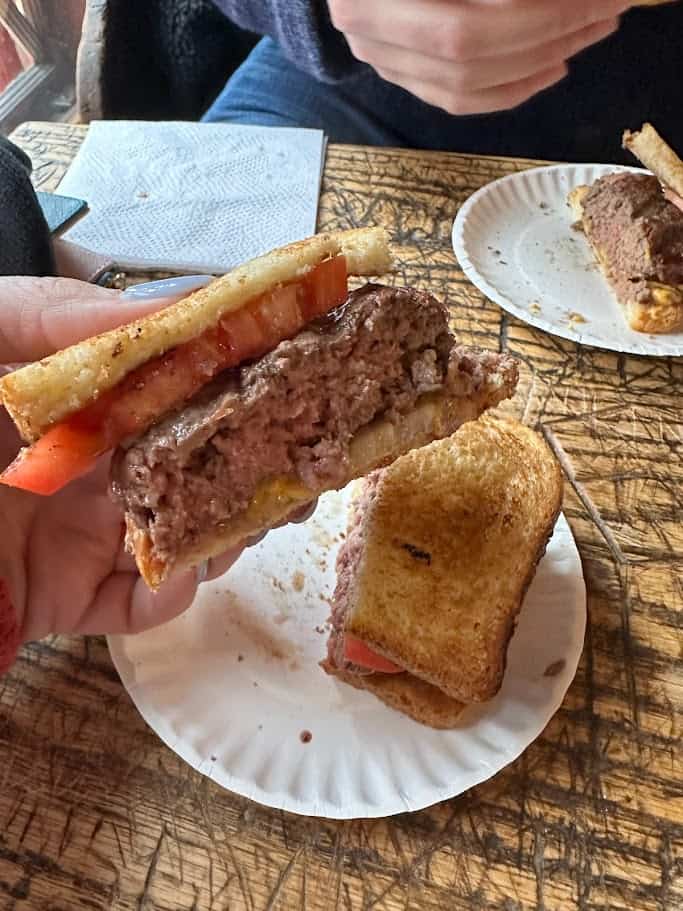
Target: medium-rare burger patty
x=639 y=231
x=291 y=414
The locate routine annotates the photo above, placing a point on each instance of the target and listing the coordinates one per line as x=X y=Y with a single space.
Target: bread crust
x=414 y=697
x=377 y=444
x=662 y=312
x=42 y=394
x=653 y=152
x=452 y=540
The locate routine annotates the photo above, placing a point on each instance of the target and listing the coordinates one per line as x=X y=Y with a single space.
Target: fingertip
x=544 y=79
x=218 y=566
x=303 y=514
x=152 y=608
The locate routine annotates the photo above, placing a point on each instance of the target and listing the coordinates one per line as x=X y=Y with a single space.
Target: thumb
x=124 y=604
x=39 y=316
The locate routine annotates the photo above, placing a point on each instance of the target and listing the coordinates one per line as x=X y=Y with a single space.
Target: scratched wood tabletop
x=95 y=812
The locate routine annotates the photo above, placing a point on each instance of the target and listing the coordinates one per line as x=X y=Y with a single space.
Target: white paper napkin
x=194 y=197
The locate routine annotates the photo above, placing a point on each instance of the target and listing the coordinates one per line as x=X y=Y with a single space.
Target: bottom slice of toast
x=440 y=550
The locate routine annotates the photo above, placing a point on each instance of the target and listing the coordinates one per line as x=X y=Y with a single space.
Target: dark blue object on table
x=60 y=211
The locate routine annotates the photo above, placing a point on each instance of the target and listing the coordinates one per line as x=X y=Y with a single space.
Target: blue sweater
x=302 y=29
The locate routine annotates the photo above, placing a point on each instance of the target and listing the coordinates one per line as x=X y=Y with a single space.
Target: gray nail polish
x=167 y=287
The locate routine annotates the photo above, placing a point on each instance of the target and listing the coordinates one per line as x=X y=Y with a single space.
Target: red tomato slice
x=357 y=652
x=62 y=454
x=70 y=448
x=278 y=314
x=328 y=284
x=134 y=405
x=243 y=334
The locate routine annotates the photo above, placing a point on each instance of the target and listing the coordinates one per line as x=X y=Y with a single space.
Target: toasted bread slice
x=652 y=151
x=451 y=538
x=41 y=394
x=657 y=308
x=378 y=444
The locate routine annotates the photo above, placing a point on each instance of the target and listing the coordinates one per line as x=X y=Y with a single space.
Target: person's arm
x=302 y=29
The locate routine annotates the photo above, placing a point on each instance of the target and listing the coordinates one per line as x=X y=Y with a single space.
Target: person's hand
x=473 y=56
x=62 y=561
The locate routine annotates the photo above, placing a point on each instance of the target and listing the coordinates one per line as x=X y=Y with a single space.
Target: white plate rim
x=650 y=346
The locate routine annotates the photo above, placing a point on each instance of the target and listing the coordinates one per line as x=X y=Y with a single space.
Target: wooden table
x=96 y=813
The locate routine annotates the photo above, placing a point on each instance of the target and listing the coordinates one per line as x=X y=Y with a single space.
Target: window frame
x=35 y=93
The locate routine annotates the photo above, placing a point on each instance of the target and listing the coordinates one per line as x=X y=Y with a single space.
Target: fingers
x=304 y=513
x=508 y=26
x=465 y=31
x=473 y=56
x=462 y=79
x=500 y=98
x=220 y=565
x=123 y=604
x=44 y=315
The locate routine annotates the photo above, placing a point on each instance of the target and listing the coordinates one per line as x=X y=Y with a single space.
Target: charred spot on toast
x=415 y=552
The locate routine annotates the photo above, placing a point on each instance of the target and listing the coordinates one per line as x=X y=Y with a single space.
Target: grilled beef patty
x=638 y=229
x=291 y=413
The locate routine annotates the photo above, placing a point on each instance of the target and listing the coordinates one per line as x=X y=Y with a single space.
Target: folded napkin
x=194 y=197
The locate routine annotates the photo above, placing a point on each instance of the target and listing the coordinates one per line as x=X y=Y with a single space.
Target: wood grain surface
x=95 y=812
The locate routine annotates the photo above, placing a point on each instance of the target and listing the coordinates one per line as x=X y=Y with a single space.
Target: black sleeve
x=25 y=240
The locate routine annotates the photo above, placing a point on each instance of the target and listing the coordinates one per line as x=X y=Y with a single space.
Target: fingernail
x=202 y=572
x=303 y=514
x=167 y=287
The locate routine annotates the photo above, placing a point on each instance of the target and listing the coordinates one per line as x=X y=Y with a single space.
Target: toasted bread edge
x=657 y=155
x=404 y=693
x=44 y=393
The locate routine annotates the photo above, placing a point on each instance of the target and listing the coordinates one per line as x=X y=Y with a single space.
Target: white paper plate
x=514 y=240
x=231 y=685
